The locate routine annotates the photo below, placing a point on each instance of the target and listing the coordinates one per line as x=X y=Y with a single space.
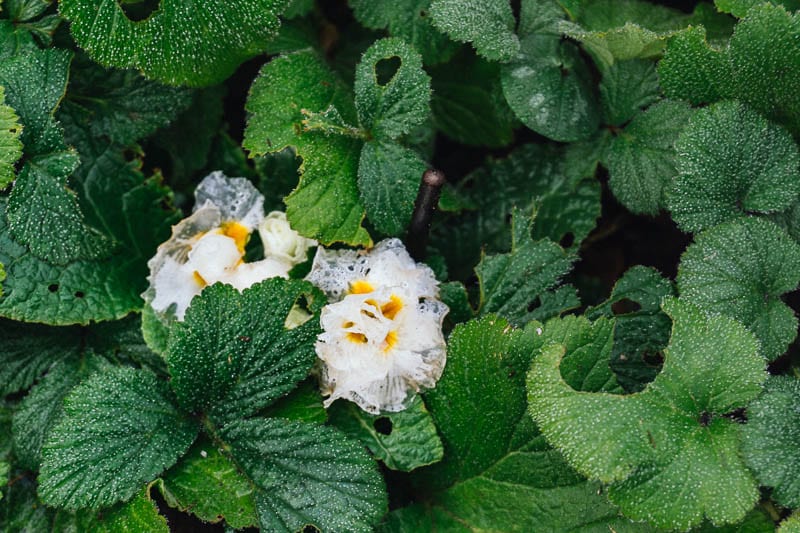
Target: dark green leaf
x=307 y=475
x=10 y=145
x=388 y=179
x=739 y=8
x=180 y=43
x=741 y=269
x=771 y=439
x=732 y=160
x=403 y=441
x=138 y=515
x=206 y=483
x=642 y=158
x=510 y=283
x=672 y=456
x=120 y=430
x=626 y=88
x=232 y=355
x=408 y=19
x=549 y=87
x=304 y=404
x=487 y=24
x=325 y=205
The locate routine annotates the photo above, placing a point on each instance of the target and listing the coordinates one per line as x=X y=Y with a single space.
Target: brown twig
x=430 y=188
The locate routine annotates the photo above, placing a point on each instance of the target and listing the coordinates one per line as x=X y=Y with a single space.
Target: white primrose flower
x=209 y=246
x=281 y=241
x=382 y=340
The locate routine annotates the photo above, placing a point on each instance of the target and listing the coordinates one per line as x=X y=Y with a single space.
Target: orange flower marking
x=238 y=232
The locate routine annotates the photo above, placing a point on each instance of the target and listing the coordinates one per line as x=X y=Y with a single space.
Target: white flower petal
x=248 y=274
x=214 y=257
x=236 y=198
x=281 y=241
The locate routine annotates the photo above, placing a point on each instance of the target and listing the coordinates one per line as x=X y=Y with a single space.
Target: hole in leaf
x=299 y=314
x=79 y=294
x=137 y=10
x=624 y=306
x=567 y=240
x=311 y=529
x=705 y=418
x=534 y=304
x=385 y=69
x=53 y=287
x=423 y=13
x=739 y=416
x=383 y=425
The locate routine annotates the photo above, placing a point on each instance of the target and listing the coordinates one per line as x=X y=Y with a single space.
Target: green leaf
x=24 y=10
x=43 y=213
x=756 y=521
x=10 y=145
x=626 y=88
x=139 y=514
x=409 y=20
x=392 y=107
x=468 y=103
x=21 y=510
x=670 y=454
x=549 y=87
x=325 y=206
x=121 y=104
x=771 y=436
x=232 y=354
x=28 y=350
x=303 y=404
x=388 y=179
x=731 y=160
x=641 y=329
x=741 y=269
x=620 y=30
x=791 y=524
x=34 y=86
x=510 y=283
x=181 y=42
x=487 y=24
x=307 y=475
x=756 y=68
x=497 y=474
x=206 y=483
x=403 y=441
x=120 y=430
x=739 y=8
x=642 y=158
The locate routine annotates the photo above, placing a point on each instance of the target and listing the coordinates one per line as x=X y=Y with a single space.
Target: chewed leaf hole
x=534 y=304
x=311 y=529
x=625 y=306
x=299 y=314
x=385 y=69
x=567 y=240
x=79 y=294
x=383 y=425
x=137 y=10
x=53 y=287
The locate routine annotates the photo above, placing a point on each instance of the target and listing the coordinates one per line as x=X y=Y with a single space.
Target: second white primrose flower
x=382 y=339
x=209 y=245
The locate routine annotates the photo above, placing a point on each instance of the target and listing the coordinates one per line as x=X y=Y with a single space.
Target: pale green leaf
x=232 y=355
x=739 y=8
x=741 y=269
x=182 y=42
x=10 y=145
x=207 y=484
x=388 y=179
x=307 y=475
x=487 y=24
x=791 y=524
x=120 y=429
x=549 y=87
x=325 y=205
x=402 y=441
x=670 y=454
x=732 y=160
x=409 y=20
x=138 y=515
x=642 y=158
x=510 y=283
x=771 y=439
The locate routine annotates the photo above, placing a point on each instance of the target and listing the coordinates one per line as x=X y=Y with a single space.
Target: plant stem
x=427 y=198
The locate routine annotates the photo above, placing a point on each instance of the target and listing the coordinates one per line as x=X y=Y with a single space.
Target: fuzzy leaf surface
x=510 y=283
x=626 y=88
x=642 y=158
x=232 y=354
x=120 y=430
x=670 y=440
x=181 y=42
x=137 y=515
x=206 y=483
x=412 y=440
x=325 y=205
x=771 y=436
x=10 y=145
x=487 y=24
x=731 y=161
x=307 y=474
x=498 y=474
x=741 y=269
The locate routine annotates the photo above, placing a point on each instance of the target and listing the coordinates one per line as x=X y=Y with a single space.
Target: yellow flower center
x=361 y=286
x=199 y=279
x=237 y=232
